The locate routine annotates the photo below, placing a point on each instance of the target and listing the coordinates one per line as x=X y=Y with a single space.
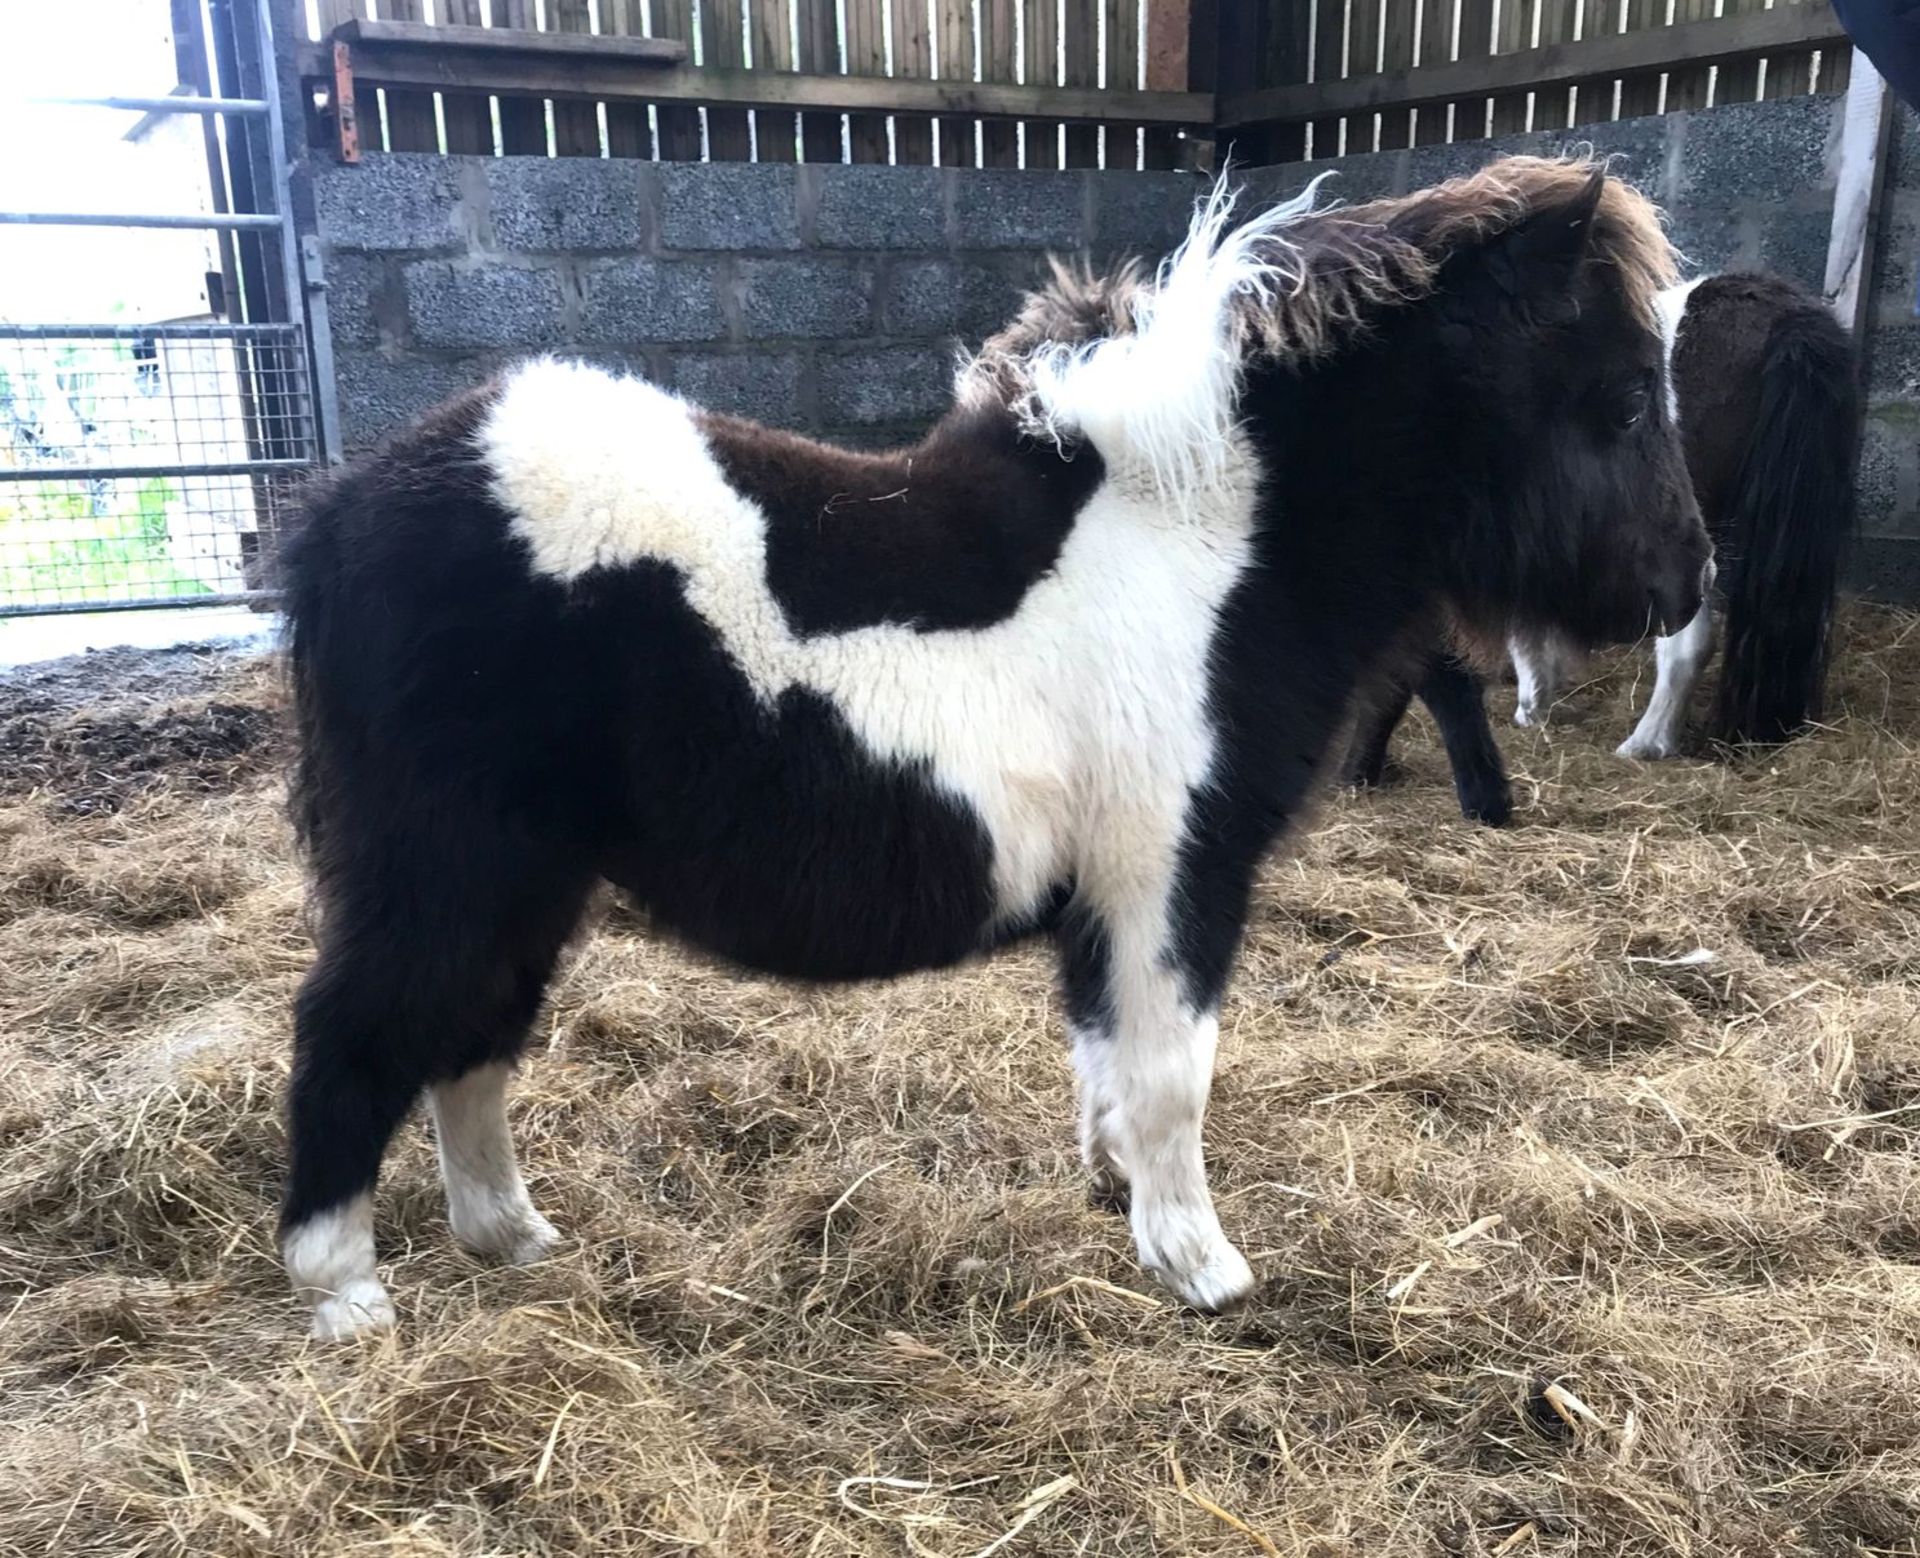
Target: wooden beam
x=1613 y=54
x=510 y=41
x=1864 y=133
x=609 y=74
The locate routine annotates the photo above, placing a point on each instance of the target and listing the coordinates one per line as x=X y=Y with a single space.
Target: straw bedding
x=1578 y=1162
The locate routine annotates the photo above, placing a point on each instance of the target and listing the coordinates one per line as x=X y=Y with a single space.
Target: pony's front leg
x=1144 y=1053
x=1679 y=659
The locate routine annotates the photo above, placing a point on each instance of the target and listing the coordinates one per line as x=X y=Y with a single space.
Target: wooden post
x=1864 y=133
x=1173 y=65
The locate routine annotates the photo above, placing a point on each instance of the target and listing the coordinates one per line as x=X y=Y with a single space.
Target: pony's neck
x=1358 y=507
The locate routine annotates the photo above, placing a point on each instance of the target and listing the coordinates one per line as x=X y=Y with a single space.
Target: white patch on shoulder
x=1669 y=306
x=1085 y=710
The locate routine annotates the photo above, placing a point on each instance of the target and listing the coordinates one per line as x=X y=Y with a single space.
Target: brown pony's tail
x=1787 y=531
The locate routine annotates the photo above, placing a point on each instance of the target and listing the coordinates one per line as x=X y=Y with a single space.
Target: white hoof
x=1220 y=1280
x=358 y=1309
x=1192 y=1259
x=519 y=1236
x=1527 y=717
x=1647 y=749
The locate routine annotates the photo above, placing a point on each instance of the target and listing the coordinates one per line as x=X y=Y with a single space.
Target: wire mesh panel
x=145 y=464
x=149 y=461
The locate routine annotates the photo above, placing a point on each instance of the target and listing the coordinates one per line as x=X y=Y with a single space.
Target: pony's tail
x=309 y=572
x=1786 y=533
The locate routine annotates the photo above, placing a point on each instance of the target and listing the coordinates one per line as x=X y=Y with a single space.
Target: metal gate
x=151 y=464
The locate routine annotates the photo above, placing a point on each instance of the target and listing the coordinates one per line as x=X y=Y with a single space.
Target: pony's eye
x=1631 y=407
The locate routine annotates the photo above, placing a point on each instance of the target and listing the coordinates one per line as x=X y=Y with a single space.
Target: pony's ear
x=1539 y=255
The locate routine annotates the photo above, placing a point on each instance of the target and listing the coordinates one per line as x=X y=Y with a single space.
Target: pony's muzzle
x=1677 y=602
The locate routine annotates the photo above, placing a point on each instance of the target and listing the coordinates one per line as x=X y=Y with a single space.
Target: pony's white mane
x=1163 y=398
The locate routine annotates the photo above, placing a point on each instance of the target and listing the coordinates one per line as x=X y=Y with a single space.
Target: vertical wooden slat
x=955 y=19
x=1168 y=47
x=1593 y=95
x=411 y=125
x=1555 y=19
x=627 y=131
x=1122 y=74
x=1513 y=29
x=679 y=127
x=1329 y=64
x=1043 y=35
x=820 y=56
x=1836 y=68
x=1787 y=74
x=523 y=120
x=777 y=134
x=1740 y=81
x=1689 y=88
x=999 y=39
x=468 y=115
x=334 y=12
x=1396 y=46
x=1436 y=48
x=1640 y=94
x=1476 y=42
x=576 y=125
x=723 y=42
x=912 y=61
x=1080 y=31
x=1363 y=50
x=867 y=56
x=1282 y=58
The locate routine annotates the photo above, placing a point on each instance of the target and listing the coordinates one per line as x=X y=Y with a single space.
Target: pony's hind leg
x=1679 y=659
x=353 y=1083
x=487 y=1201
x=433 y=963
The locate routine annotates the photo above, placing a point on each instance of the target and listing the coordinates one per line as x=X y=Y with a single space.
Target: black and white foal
x=1067 y=667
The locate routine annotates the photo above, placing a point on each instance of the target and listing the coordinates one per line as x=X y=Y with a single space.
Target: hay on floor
x=1578 y=1162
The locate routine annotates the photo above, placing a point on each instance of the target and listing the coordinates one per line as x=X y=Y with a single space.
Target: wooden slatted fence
x=1045 y=83
x=1336 y=77
x=993 y=83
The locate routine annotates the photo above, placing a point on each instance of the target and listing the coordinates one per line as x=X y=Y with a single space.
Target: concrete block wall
x=824 y=298
x=1749 y=185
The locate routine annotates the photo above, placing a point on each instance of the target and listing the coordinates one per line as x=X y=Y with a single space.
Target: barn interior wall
x=831 y=298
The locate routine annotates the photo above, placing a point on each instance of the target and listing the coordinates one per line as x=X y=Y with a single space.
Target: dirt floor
x=1578 y=1161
